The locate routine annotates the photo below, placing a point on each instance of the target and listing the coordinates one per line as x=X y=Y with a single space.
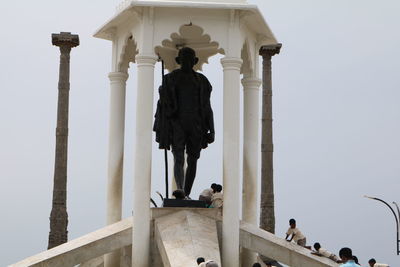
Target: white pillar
x=142 y=172
x=231 y=171
x=116 y=145
x=251 y=121
x=115 y=155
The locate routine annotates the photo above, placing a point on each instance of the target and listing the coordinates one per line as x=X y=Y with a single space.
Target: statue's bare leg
x=190 y=173
x=179 y=160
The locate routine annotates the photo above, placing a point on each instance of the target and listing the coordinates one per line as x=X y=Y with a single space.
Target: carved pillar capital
x=270 y=50
x=251 y=83
x=118 y=76
x=65 y=39
x=143 y=59
x=231 y=63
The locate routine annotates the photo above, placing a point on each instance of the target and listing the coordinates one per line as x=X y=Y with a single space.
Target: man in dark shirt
x=184 y=118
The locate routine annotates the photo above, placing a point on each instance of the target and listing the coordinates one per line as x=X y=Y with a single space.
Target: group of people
x=214 y=199
x=346 y=256
x=349 y=260
x=212 y=196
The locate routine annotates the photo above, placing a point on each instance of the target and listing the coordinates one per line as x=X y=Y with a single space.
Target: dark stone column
x=267 y=216
x=59 y=217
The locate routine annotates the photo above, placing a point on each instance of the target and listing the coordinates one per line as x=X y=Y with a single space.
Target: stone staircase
x=179 y=236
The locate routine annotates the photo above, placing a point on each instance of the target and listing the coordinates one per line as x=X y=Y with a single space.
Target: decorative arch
x=249 y=56
x=128 y=53
x=246 y=57
x=192 y=36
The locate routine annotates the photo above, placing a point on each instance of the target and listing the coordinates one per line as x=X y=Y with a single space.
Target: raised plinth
x=184 y=236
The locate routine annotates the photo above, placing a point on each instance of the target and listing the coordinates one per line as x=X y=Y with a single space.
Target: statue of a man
x=184 y=118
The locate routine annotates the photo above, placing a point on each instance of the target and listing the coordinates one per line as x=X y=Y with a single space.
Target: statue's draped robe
x=167 y=108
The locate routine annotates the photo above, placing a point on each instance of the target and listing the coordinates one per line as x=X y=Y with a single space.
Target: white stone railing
x=85 y=248
x=271 y=246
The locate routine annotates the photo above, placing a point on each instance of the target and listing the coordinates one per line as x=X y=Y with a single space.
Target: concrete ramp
x=184 y=236
x=267 y=244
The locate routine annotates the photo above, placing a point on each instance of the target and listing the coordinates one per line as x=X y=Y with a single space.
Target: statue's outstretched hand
x=210 y=137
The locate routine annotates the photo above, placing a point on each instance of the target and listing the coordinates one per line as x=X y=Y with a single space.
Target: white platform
x=184 y=236
x=181 y=235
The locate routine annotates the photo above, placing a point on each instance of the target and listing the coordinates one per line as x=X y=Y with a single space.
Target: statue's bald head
x=186 y=58
x=186 y=51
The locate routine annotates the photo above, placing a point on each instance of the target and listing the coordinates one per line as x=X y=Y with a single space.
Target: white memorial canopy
x=144 y=31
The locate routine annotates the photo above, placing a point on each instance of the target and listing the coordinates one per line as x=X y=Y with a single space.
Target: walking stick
x=165 y=150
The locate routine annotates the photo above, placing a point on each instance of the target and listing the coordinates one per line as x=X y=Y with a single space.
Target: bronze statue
x=184 y=118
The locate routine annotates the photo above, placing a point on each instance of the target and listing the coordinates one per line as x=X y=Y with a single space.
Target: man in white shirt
x=200 y=261
x=324 y=253
x=206 y=194
x=296 y=234
x=373 y=263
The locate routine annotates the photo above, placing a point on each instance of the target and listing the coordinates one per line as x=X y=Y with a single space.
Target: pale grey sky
x=336 y=122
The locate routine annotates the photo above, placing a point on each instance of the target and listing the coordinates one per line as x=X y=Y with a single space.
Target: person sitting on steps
x=206 y=194
x=179 y=194
x=217 y=198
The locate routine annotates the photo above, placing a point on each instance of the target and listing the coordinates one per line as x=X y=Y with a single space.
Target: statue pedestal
x=187 y=203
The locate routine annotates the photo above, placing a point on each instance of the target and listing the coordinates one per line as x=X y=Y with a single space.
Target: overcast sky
x=336 y=122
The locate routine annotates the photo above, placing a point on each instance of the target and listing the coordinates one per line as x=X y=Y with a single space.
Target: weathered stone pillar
x=251 y=121
x=267 y=216
x=142 y=172
x=231 y=169
x=115 y=155
x=59 y=217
